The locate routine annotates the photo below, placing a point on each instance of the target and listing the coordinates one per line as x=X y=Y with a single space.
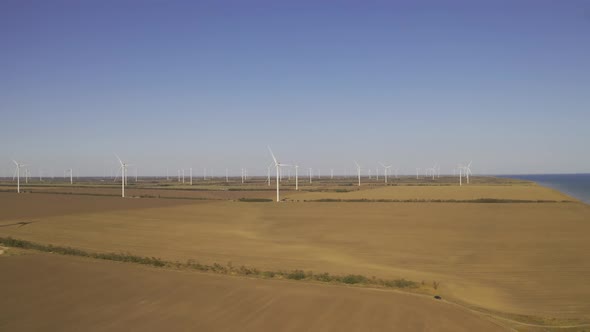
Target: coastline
x=576 y=186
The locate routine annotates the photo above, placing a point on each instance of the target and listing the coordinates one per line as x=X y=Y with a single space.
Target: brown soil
x=57 y=293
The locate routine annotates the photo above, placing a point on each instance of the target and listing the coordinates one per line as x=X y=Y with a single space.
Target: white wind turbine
x=123 y=169
x=17 y=173
x=385 y=168
x=464 y=171
x=432 y=171
x=358 y=171
x=69 y=170
x=296 y=177
x=467 y=170
x=278 y=166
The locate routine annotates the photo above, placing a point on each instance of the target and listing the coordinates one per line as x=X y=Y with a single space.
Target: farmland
x=524 y=258
x=99 y=296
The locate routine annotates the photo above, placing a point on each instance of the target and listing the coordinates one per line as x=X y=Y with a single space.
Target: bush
x=354 y=279
x=324 y=277
x=296 y=275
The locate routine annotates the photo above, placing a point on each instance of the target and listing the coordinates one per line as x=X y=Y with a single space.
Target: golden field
x=422 y=192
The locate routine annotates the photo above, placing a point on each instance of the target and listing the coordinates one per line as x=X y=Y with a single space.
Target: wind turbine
x=310 y=175
x=71 y=175
x=296 y=177
x=191 y=175
x=358 y=171
x=464 y=171
x=432 y=170
x=278 y=166
x=468 y=171
x=331 y=173
x=17 y=171
x=123 y=175
x=385 y=168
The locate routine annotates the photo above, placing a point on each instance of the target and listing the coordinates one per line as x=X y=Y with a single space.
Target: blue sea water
x=575 y=185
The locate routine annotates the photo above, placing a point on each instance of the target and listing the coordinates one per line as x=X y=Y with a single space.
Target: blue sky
x=178 y=84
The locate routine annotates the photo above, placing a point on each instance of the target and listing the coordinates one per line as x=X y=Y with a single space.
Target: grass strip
x=228 y=269
x=479 y=200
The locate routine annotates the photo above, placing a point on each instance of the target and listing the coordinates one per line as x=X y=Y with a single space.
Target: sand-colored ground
x=525 y=258
x=42 y=292
x=467 y=192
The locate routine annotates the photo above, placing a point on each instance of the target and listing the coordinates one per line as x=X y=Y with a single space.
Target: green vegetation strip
x=479 y=200
x=245 y=199
x=228 y=269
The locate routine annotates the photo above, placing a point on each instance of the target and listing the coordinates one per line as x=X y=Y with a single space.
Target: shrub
x=296 y=275
x=354 y=279
x=324 y=277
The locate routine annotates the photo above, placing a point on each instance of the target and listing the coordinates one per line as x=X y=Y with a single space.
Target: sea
x=575 y=185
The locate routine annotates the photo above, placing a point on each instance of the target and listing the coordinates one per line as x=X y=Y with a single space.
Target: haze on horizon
x=211 y=83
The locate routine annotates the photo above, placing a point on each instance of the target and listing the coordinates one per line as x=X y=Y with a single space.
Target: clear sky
x=171 y=84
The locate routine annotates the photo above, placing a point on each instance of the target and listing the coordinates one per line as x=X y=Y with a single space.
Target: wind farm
x=294 y=166
x=304 y=211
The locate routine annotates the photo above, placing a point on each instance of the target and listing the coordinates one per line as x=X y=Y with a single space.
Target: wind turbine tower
x=296 y=177
x=123 y=175
x=17 y=171
x=358 y=171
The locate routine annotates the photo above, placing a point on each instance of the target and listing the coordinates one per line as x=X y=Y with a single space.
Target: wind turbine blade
x=382 y=165
x=15 y=162
x=120 y=161
x=273 y=156
x=357 y=164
